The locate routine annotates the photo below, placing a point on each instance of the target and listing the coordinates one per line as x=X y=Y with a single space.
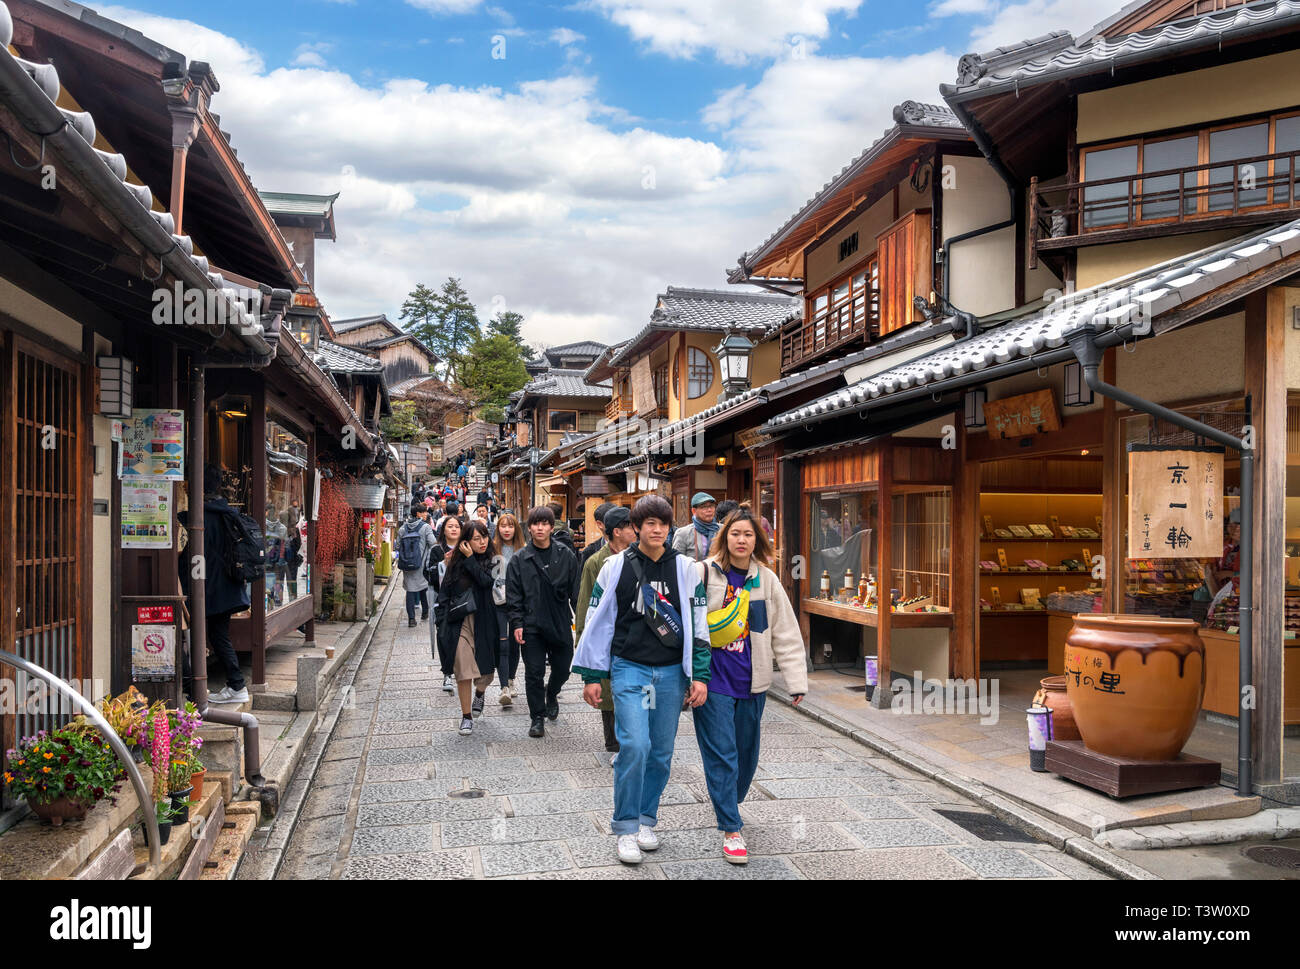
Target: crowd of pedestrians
x=663 y=624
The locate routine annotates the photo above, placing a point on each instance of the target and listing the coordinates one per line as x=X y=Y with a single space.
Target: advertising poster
x=146 y=514
x=153 y=445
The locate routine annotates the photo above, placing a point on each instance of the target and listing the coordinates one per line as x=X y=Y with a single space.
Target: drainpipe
x=1085 y=348
x=971 y=326
x=199 y=593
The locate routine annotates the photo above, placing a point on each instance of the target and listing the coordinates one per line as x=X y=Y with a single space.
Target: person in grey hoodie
x=413 y=578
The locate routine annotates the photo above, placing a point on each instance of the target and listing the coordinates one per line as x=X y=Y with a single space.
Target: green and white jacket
x=592 y=659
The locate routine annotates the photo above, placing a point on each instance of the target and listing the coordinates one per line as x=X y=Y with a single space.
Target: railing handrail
x=97 y=719
x=1165 y=173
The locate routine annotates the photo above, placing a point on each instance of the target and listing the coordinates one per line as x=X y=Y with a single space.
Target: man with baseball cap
x=694 y=539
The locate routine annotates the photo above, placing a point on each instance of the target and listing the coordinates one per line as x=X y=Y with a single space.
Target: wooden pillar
x=963 y=648
x=1266 y=385
x=1113 y=511
x=309 y=553
x=257 y=432
x=883 y=694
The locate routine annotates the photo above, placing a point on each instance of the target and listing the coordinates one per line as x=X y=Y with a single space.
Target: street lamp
x=733 y=360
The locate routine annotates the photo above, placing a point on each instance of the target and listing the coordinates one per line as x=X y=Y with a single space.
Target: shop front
x=873 y=566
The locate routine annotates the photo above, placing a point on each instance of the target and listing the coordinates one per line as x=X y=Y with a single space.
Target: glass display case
x=844 y=537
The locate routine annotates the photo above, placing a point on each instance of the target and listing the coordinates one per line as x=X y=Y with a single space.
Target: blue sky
x=610 y=148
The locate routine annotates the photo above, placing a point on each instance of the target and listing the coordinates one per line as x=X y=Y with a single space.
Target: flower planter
x=196 y=780
x=1135 y=683
x=164 y=832
x=59 y=810
x=181 y=804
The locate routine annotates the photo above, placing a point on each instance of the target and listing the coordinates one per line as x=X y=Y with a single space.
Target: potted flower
x=185 y=744
x=63 y=774
x=129 y=714
x=160 y=748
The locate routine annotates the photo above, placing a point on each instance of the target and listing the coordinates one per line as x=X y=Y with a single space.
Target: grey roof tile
x=710 y=310
x=565 y=383
x=1150 y=291
x=341 y=359
x=1058 y=54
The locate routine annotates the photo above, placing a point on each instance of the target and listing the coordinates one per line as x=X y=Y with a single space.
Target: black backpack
x=244 y=556
x=409 y=547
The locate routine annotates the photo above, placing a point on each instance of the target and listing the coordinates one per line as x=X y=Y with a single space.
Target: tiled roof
x=341 y=359
x=43 y=79
x=565 y=383
x=1141 y=295
x=1058 y=55
x=356 y=322
x=585 y=348
x=291 y=203
x=907 y=114
x=710 y=310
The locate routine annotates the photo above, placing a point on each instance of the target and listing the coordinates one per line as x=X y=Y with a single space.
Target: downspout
x=199 y=592
x=1084 y=345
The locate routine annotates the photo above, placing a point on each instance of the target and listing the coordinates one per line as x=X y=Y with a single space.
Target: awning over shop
x=362 y=495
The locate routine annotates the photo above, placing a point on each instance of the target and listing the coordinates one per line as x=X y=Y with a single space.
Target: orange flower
x=9 y=778
x=47 y=756
x=45 y=770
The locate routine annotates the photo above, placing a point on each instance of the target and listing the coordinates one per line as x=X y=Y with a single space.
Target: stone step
x=181 y=842
x=222 y=862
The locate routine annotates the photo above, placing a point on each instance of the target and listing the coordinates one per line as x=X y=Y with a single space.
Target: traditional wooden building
x=404 y=356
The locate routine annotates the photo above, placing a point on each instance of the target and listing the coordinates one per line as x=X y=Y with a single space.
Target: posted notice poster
x=146 y=514
x=153 y=445
x=153 y=650
x=1175 y=502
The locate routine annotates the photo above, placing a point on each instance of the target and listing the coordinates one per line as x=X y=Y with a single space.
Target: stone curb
x=265 y=852
x=1028 y=821
x=1268 y=825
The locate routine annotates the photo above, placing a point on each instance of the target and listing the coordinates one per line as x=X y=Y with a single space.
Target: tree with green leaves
x=507 y=323
x=403 y=424
x=494 y=369
x=446 y=321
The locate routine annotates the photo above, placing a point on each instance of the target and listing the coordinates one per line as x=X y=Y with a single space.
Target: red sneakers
x=734 y=850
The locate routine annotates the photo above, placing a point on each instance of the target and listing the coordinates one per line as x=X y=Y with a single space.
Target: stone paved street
x=400 y=794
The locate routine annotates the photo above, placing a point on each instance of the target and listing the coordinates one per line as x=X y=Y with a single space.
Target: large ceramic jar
x=1057 y=699
x=1135 y=683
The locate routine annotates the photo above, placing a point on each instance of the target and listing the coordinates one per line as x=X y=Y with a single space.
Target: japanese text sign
x=1175 y=502
x=1023 y=415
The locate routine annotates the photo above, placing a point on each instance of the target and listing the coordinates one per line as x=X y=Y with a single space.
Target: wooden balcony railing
x=619 y=406
x=1224 y=194
x=853 y=318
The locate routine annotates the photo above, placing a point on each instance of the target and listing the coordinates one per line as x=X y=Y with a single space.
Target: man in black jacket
x=541 y=595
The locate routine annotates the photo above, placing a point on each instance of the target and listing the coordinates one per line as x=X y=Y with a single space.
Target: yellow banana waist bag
x=731 y=622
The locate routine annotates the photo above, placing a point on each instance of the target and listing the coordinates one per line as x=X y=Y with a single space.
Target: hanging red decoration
x=334 y=527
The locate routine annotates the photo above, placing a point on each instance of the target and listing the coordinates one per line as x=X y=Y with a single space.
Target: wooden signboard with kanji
x=1021 y=416
x=1175 y=502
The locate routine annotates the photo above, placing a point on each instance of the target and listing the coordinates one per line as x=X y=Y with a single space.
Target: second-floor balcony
x=1196 y=198
x=853 y=318
x=619 y=406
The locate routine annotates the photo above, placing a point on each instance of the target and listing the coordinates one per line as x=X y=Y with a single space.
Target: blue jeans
x=727 y=731
x=414 y=599
x=647 y=706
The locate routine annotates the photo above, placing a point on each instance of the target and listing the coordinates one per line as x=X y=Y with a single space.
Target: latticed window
x=699 y=373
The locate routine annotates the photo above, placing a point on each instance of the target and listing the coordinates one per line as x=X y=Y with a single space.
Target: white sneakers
x=449 y=683
x=734 y=850
x=629 y=852
x=507 y=696
x=630 y=846
x=227 y=695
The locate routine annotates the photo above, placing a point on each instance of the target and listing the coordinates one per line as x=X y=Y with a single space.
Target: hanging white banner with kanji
x=1175 y=502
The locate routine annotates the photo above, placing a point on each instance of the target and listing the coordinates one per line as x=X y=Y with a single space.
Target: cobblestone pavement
x=400 y=794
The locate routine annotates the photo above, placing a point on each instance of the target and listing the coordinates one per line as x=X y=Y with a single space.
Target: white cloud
x=500 y=14
x=1012 y=22
x=950 y=8
x=564 y=36
x=445 y=6
x=311 y=55
x=735 y=31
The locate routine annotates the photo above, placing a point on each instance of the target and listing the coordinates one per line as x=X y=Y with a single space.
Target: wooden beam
x=884 y=623
x=1113 y=465
x=963 y=648
x=1266 y=384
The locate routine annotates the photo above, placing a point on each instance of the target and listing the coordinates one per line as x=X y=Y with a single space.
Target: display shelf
x=1018 y=572
x=870 y=617
x=1069 y=541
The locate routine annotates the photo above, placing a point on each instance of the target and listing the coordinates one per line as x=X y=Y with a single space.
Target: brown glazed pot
x=1057 y=699
x=1135 y=683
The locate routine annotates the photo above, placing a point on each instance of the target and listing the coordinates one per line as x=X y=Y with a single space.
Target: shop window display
x=288 y=576
x=843 y=538
x=920 y=566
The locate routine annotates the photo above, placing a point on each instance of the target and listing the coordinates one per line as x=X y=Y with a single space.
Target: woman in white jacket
x=727 y=725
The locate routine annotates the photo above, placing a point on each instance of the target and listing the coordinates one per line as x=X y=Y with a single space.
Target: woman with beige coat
x=751 y=621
